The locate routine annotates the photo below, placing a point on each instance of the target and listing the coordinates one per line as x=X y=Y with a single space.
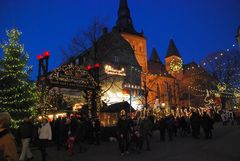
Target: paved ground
x=223 y=147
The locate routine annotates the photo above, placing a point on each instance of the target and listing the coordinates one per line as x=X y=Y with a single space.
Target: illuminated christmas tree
x=17 y=92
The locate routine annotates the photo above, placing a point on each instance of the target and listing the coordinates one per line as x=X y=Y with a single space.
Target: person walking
x=169 y=126
x=206 y=125
x=8 y=149
x=146 y=132
x=26 y=133
x=96 y=131
x=183 y=126
x=162 y=127
x=195 y=124
x=70 y=144
x=81 y=137
x=224 y=118
x=123 y=128
x=45 y=135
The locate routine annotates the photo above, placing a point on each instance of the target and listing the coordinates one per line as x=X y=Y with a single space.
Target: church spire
x=124 y=21
x=154 y=56
x=172 y=50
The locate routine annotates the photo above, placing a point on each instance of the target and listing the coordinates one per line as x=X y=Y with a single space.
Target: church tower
x=137 y=40
x=174 y=63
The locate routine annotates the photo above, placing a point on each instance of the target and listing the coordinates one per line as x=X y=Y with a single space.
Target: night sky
x=199 y=27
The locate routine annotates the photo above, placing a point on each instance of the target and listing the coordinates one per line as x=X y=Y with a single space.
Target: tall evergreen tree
x=17 y=92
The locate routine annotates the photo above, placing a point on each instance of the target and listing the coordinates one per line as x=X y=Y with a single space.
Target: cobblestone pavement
x=223 y=147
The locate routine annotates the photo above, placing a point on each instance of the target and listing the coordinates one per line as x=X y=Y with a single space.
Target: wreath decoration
x=176 y=65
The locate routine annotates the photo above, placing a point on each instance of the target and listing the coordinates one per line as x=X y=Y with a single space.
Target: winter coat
x=8 y=150
x=123 y=127
x=146 y=127
x=26 y=130
x=162 y=124
x=82 y=131
x=45 y=132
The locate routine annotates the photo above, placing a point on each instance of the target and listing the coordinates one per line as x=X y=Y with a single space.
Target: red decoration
x=39 y=57
x=46 y=54
x=89 y=67
x=125 y=91
x=97 y=65
x=218 y=101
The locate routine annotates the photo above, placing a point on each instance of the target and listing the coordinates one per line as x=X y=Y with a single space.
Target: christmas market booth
x=109 y=114
x=109 y=117
x=67 y=88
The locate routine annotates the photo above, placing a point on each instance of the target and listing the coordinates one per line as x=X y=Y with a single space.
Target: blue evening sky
x=199 y=27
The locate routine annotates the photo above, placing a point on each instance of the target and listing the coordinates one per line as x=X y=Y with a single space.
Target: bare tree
x=84 y=40
x=224 y=66
x=97 y=45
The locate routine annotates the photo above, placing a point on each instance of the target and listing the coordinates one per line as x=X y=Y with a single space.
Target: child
x=70 y=144
x=137 y=139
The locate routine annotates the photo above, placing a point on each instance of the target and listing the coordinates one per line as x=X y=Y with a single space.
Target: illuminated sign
x=110 y=70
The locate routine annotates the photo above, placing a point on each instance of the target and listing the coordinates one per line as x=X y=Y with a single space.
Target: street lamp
x=43 y=66
x=163 y=105
x=93 y=70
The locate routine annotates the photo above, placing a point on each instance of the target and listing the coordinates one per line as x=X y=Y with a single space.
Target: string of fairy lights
x=215 y=92
x=19 y=94
x=13 y=46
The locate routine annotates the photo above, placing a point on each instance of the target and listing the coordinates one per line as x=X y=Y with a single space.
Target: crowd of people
x=132 y=134
x=138 y=132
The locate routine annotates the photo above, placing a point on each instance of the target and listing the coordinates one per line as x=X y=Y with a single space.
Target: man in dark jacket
x=146 y=131
x=207 y=125
x=26 y=133
x=195 y=124
x=123 y=128
x=162 y=127
x=96 y=131
x=169 y=126
x=81 y=135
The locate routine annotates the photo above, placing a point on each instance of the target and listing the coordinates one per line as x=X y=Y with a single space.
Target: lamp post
x=94 y=71
x=145 y=94
x=42 y=75
x=43 y=68
x=130 y=99
x=163 y=106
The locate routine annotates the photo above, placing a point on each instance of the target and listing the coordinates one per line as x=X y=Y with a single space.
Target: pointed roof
x=154 y=56
x=172 y=49
x=124 y=22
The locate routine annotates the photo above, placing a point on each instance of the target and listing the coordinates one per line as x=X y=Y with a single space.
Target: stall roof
x=117 y=107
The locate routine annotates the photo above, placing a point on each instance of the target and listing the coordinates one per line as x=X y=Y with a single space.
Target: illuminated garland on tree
x=17 y=92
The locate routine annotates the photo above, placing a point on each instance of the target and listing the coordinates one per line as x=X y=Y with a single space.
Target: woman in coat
x=8 y=150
